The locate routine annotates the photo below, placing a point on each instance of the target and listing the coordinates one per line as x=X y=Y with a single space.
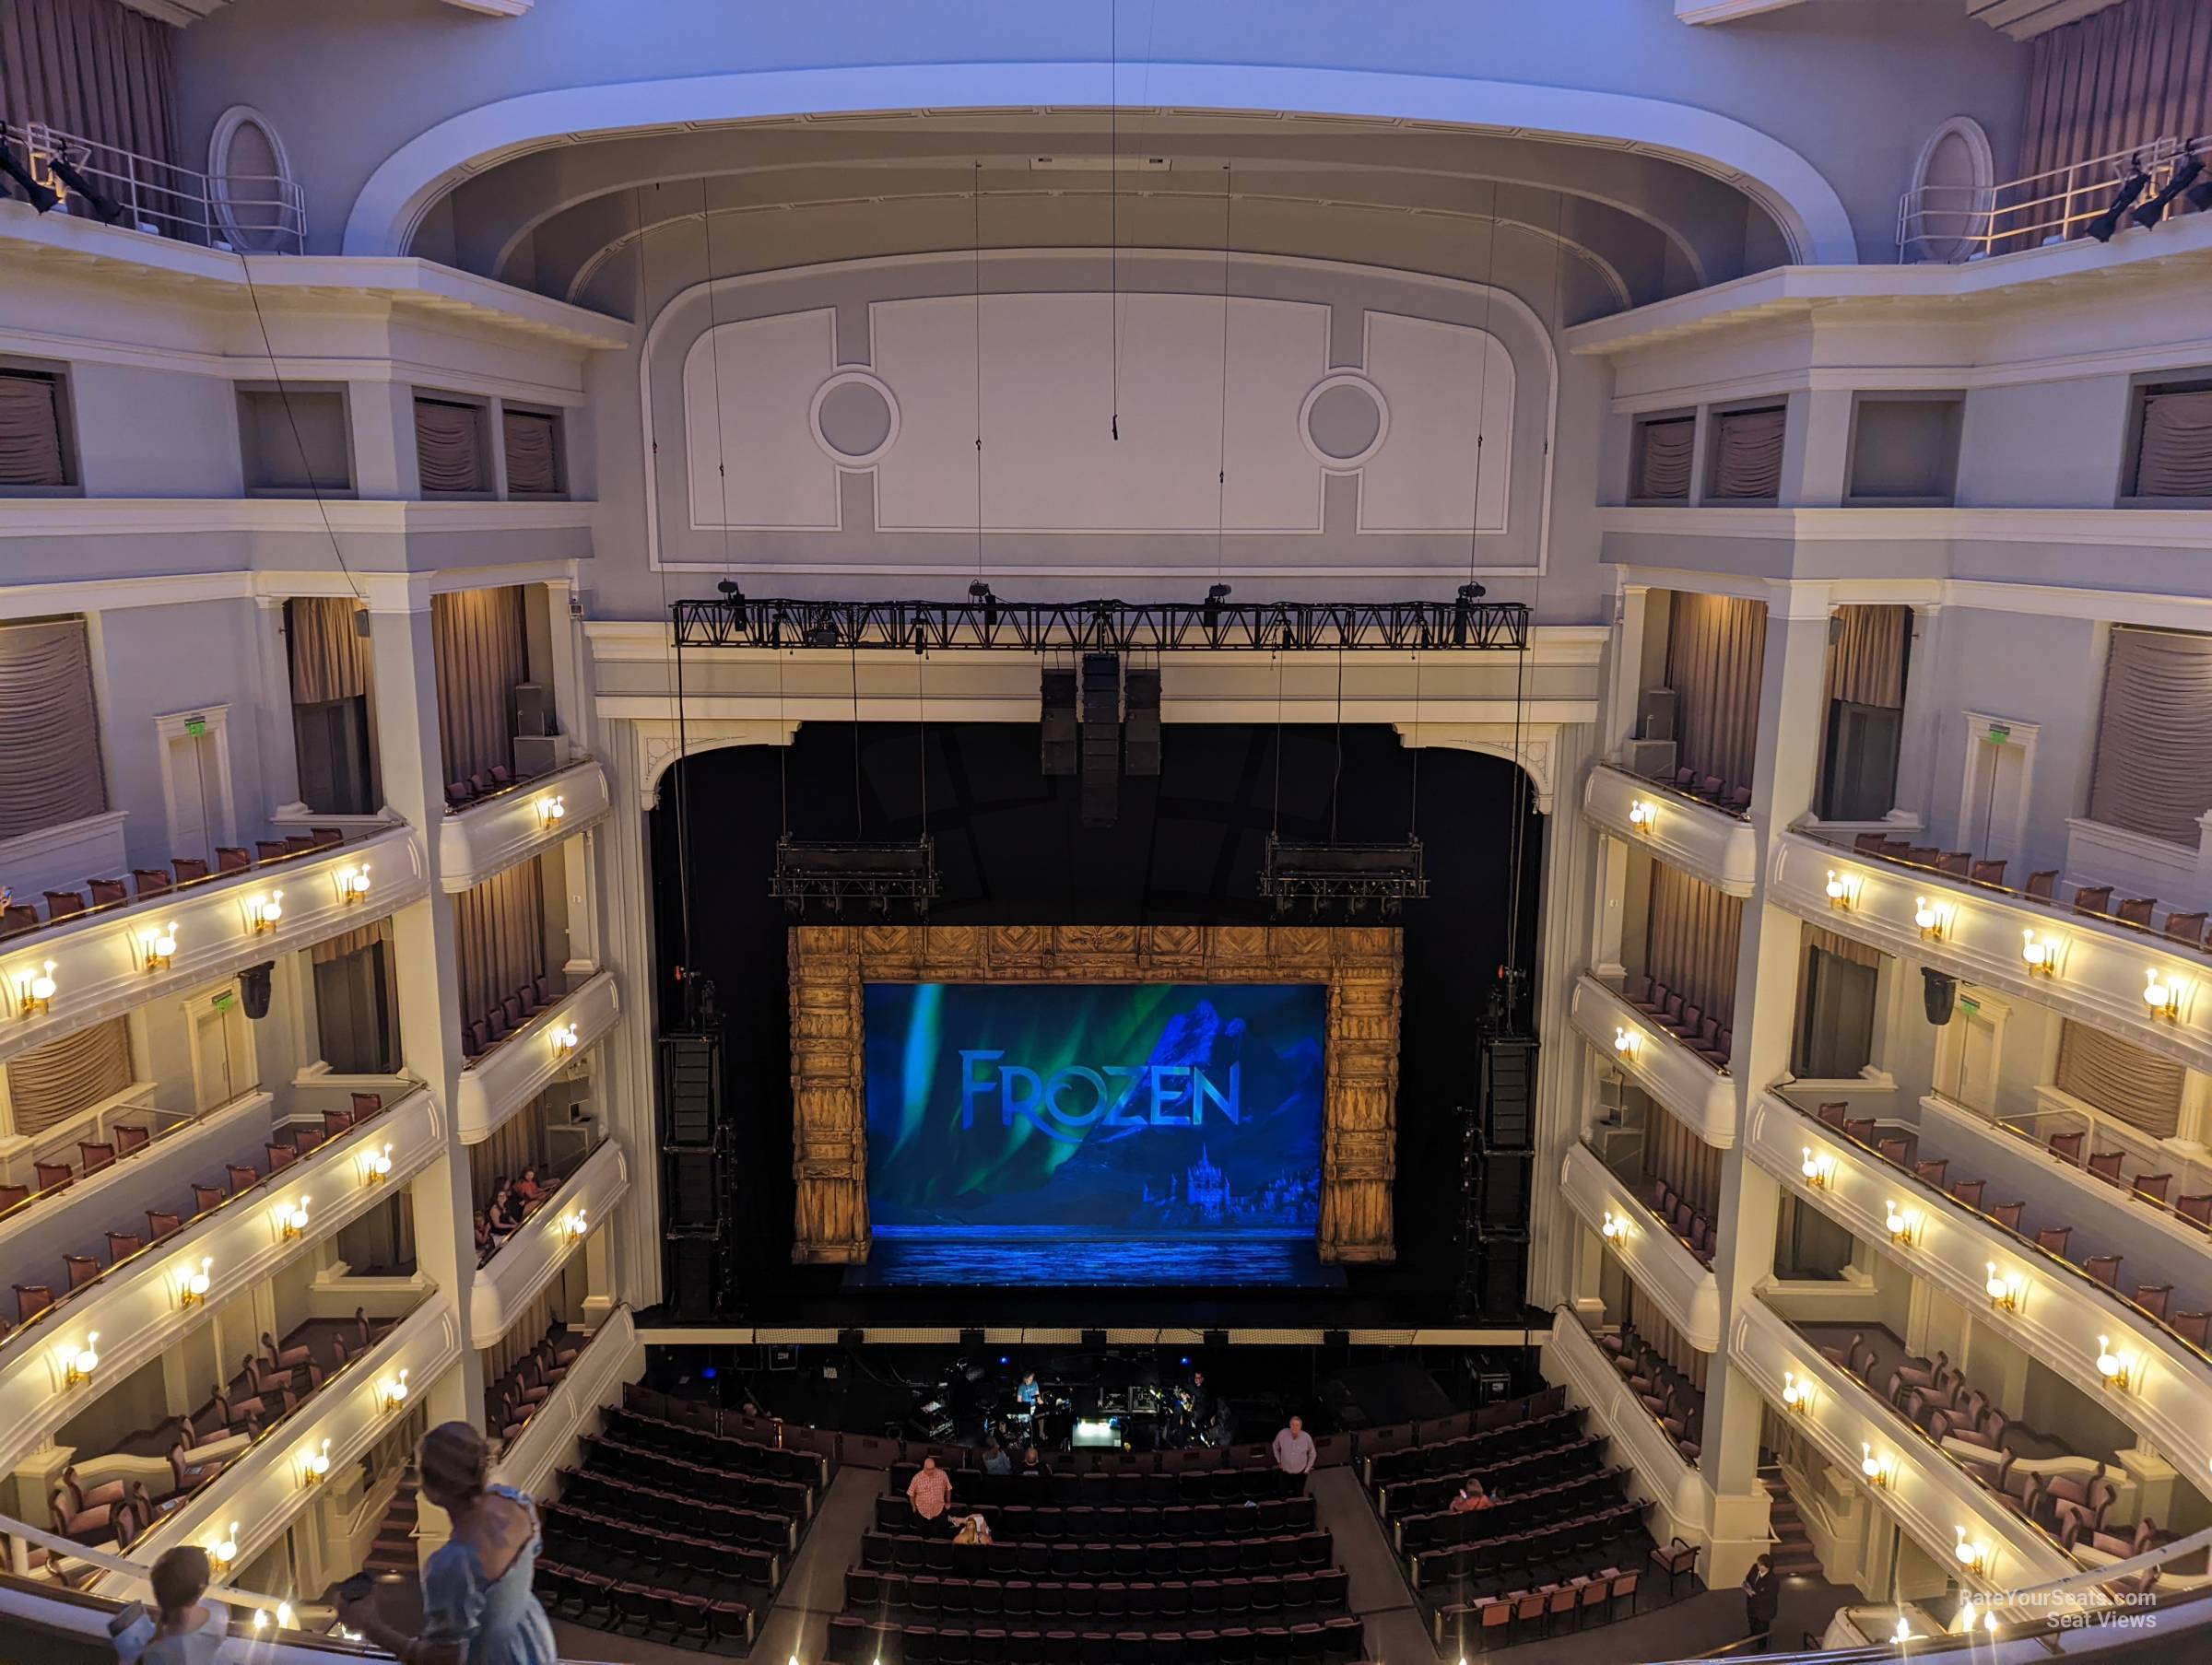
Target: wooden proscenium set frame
x=1361 y=965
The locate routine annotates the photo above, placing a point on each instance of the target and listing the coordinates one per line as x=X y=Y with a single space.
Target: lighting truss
x=1103 y=626
x=874 y=872
x=1354 y=875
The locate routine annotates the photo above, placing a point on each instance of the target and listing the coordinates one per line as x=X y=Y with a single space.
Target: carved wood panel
x=1362 y=964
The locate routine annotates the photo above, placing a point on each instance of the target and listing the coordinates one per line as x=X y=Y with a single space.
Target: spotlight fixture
x=1355 y=875
x=1642 y=812
x=1796 y=1392
x=105 y=209
x=40 y=196
x=836 y=871
x=2040 y=954
x=193 y=1286
x=352 y=884
x=1934 y=918
x=1627 y=1043
x=264 y=912
x=2006 y=1290
x=315 y=1464
x=2105 y=224
x=1878 y=1470
x=2184 y=176
x=1818 y=1169
x=1463 y=611
x=78 y=1363
x=2162 y=995
x=292 y=1218
x=552 y=811
x=157 y=946
x=980 y=594
x=1843 y=889
x=35 y=991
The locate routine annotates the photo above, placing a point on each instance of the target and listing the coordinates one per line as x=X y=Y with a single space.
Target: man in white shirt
x=1294 y=1448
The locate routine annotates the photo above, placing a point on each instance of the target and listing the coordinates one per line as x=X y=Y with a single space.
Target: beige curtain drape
x=1651 y=1323
x=2152 y=772
x=449 y=446
x=1663 y=449
x=1672 y=1153
x=516 y=1143
x=1716 y=651
x=330 y=658
x=2139 y=1087
x=1746 y=453
x=51 y=771
x=499 y=937
x=532 y=454
x=94 y=68
x=2128 y=75
x=52 y=1082
x=477 y=640
x=1867 y=660
x=30 y=430
x=2174 y=458
x=1842 y=947
x=353 y=942
x=1691 y=938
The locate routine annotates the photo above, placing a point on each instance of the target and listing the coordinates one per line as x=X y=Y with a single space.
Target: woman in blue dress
x=477 y=1604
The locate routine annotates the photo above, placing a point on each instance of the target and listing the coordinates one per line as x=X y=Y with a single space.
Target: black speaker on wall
x=1101 y=739
x=694 y=1276
x=254 y=989
x=1143 y=740
x=1940 y=990
x=1057 y=737
x=1504 y=1276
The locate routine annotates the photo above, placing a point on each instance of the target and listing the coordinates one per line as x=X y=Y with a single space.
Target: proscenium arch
x=408 y=183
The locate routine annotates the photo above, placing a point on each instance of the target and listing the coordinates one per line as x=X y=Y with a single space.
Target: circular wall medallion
x=854 y=418
x=1344 y=420
x=250 y=183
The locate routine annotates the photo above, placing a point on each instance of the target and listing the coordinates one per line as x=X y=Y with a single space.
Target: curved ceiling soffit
x=1608 y=273
x=404 y=186
x=616 y=178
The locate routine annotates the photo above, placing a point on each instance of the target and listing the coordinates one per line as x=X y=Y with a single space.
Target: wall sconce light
x=564 y=1038
x=1934 y=918
x=284 y=1614
x=2040 y=952
x=34 y=990
x=292 y=1217
x=377 y=1163
x=2005 y=1291
x=1970 y=1553
x=1903 y=1223
x=2116 y=1369
x=264 y=912
x=1614 y=1229
x=224 y=1549
x=157 y=946
x=1627 y=1043
x=1642 y=812
x=78 y=1363
x=393 y=1393
x=1878 y=1470
x=1843 y=889
x=573 y=1223
x=2163 y=994
x=551 y=811
x=1796 y=1392
x=1902 y=1634
x=191 y=1286
x=1819 y=1170
x=315 y=1464
x=352 y=884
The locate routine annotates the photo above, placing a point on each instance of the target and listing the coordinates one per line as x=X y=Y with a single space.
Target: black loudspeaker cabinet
x=1142 y=741
x=693 y=1182
x=1939 y=991
x=1508 y=1088
x=1057 y=736
x=1505 y=1279
x=1101 y=739
x=1505 y=1189
x=694 y=1277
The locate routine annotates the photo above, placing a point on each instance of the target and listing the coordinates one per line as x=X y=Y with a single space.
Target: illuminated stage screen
x=1046 y=1134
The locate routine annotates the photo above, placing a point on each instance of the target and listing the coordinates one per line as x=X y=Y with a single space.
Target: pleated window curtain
x=500 y=938
x=479 y=643
x=1663 y=448
x=31 y=454
x=1691 y=940
x=1866 y=660
x=52 y=1082
x=449 y=446
x=2173 y=457
x=1686 y=1162
x=1747 y=455
x=1651 y=1323
x=2122 y=1080
x=97 y=70
x=330 y=657
x=2152 y=772
x=51 y=772
x=533 y=446
x=1716 y=651
x=2120 y=78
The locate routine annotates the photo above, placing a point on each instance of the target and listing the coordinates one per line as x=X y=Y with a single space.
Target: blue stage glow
x=1038 y=1133
x=708 y=1374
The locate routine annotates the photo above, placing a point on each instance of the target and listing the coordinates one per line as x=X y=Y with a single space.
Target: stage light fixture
x=981 y=593
x=40 y=196
x=105 y=209
x=836 y=871
x=1324 y=874
x=2184 y=176
x=2105 y=224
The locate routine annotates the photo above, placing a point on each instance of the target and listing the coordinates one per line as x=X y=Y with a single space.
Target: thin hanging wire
x=1113 y=208
x=852 y=654
x=1229 y=197
x=1482 y=383
x=1412 y=802
x=1336 y=774
x=975 y=199
x=1276 y=827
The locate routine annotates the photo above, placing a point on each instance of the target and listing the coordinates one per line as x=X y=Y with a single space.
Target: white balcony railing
x=138 y=1308
x=612 y=1356
x=1572 y=1359
x=494 y=833
x=1698 y=838
x=511 y=1280
x=498 y=1083
x=1660 y=1263
x=1656 y=1060
x=1952 y=224
x=243 y=213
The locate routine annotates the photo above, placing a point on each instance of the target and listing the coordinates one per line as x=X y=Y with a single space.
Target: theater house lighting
x=78 y=1363
x=192 y=1283
x=2040 y=954
x=1819 y=1170
x=1878 y=1470
x=2162 y=995
x=1843 y=889
x=1642 y=812
x=35 y=991
x=1796 y=1392
x=157 y=946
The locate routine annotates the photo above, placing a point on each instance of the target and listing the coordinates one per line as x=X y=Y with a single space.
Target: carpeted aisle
x=1378 y=1593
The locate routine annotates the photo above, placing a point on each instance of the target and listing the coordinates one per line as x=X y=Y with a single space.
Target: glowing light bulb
x=2036 y=952
x=1903 y=1632
x=1869 y=1465
x=1810 y=1166
x=2108 y=1363
x=284 y=1615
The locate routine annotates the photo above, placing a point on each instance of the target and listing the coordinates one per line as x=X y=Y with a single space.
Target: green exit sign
x=196 y=726
x=224 y=1000
x=1998 y=733
x=1968 y=1005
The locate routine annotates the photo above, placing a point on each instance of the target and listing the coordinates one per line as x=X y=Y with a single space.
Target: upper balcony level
x=484 y=835
x=498 y=1082
x=1708 y=838
x=1660 y=1062
x=507 y=1283
x=1663 y=1264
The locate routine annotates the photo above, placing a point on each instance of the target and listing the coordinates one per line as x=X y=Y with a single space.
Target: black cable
x=1229 y=197
x=1113 y=205
x=291 y=419
x=1336 y=775
x=1482 y=383
x=976 y=199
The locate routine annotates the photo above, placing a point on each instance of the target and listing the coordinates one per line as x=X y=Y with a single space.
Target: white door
x=1967 y=1066
x=222 y=1050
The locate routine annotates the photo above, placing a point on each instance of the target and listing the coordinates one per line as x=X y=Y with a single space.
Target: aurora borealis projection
x=1146 y=1113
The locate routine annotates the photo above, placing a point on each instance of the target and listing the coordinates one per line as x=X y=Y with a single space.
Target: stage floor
x=1047 y=1258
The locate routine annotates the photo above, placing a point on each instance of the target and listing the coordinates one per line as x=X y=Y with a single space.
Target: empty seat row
x=17 y=918
x=1590 y=1528
x=1472 y=1450
x=1169 y=1601
x=1541 y=1473
x=484 y=783
x=1734 y=796
x=1217 y=1557
x=1206 y=1486
x=714 y=1451
x=761 y=1492
x=609 y=1603
x=854 y=1641
x=2186 y=926
x=652 y=1546
x=1139 y=1523
x=630 y=1500
x=500 y=1020
x=1500 y=1621
x=1701 y=1031
x=1684 y=1218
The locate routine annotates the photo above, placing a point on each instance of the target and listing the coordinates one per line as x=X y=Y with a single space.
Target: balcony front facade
x=527 y=1261
x=1575 y=1359
x=612 y=1356
x=1662 y=1264
x=1711 y=841
x=519 y=819
x=1656 y=1058
x=550 y=1044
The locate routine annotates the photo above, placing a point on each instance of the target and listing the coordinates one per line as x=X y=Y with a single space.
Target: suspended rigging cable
x=291 y=420
x=976 y=207
x=1114 y=206
x=1229 y=196
x=1482 y=383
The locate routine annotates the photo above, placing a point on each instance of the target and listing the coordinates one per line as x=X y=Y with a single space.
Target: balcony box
x=612 y=1356
x=2062 y=1310
x=1659 y=1262
x=511 y=1280
x=100 y=957
x=1692 y=1090
x=1929 y=1495
x=511 y=1074
x=1573 y=1359
x=2099 y=966
x=1686 y=833
x=136 y=1308
x=494 y=833
x=264 y=1490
